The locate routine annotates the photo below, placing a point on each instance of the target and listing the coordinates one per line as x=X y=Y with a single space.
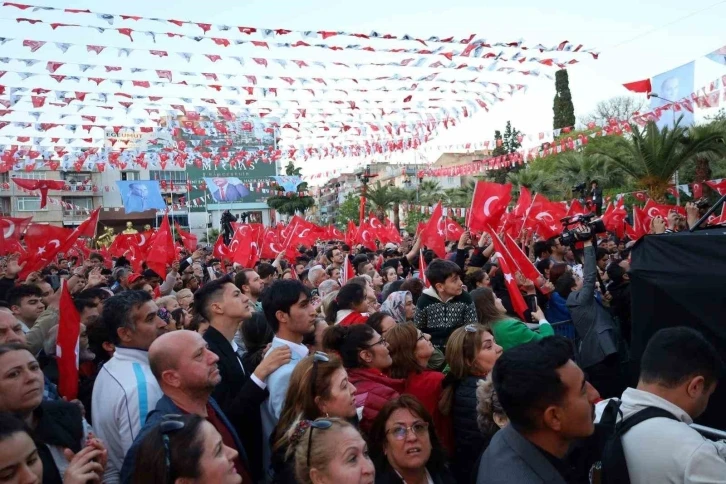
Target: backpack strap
x=614 y=464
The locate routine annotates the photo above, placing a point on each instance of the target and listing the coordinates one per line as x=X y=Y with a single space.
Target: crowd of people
x=297 y=371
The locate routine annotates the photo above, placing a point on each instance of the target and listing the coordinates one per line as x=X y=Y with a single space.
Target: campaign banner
x=141 y=195
x=226 y=189
x=672 y=87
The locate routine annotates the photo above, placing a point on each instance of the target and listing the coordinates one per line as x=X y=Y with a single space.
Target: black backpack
x=614 y=468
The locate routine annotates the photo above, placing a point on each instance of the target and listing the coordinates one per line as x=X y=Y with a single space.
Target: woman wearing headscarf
x=399 y=305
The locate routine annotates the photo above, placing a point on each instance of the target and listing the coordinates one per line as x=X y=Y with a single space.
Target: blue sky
x=608 y=26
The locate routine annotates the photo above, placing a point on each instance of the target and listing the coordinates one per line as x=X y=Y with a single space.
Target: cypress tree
x=564 y=110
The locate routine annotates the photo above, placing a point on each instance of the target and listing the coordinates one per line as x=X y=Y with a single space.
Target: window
x=130 y=175
x=80 y=202
x=29 y=204
x=181 y=219
x=176 y=176
x=5 y=177
x=33 y=175
x=75 y=176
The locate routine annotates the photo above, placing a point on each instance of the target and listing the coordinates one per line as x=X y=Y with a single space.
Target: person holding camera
x=598 y=347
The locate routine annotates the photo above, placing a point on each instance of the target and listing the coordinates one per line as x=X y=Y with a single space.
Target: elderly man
x=316 y=275
x=187 y=374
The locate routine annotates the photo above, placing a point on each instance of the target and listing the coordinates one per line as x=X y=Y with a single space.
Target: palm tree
x=651 y=155
x=380 y=197
x=703 y=160
x=535 y=180
x=429 y=192
x=460 y=197
x=294 y=203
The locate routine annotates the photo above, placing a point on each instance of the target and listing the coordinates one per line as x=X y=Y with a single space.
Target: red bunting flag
x=69 y=331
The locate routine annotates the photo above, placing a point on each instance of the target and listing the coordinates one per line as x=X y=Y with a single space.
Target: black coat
x=239 y=398
x=389 y=476
x=59 y=424
x=469 y=441
x=620 y=307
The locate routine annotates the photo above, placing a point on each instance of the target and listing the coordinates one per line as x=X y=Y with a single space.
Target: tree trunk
x=396 y=216
x=703 y=174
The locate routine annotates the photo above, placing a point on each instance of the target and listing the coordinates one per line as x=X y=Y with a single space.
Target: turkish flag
x=332 y=233
x=366 y=236
x=488 y=204
x=697 y=190
x=12 y=228
x=718 y=185
x=123 y=242
x=240 y=247
x=454 y=231
x=576 y=208
x=44 y=236
x=220 y=250
x=507 y=264
x=545 y=216
x=653 y=210
x=161 y=252
x=614 y=218
x=41 y=185
x=523 y=205
x=521 y=260
x=347 y=273
x=271 y=245
x=350 y=234
x=188 y=239
x=641 y=224
x=422 y=269
x=433 y=235
x=69 y=331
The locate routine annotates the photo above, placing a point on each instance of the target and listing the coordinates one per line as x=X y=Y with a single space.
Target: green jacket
x=509 y=333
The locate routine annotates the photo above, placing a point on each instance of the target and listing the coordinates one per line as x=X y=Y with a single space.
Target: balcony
x=83 y=189
x=75 y=215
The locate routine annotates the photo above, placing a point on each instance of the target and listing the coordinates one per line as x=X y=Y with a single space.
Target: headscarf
x=395 y=305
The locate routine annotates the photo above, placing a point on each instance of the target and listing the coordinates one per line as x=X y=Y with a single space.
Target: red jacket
x=373 y=390
x=426 y=386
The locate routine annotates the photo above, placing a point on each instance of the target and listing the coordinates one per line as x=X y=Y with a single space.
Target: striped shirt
x=123 y=395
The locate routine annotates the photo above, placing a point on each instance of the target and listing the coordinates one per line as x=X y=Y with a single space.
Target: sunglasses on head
x=318 y=356
x=320 y=424
x=470 y=328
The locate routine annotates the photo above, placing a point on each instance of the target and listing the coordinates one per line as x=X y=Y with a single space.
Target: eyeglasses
x=421 y=336
x=400 y=432
x=381 y=342
x=320 y=424
x=169 y=423
x=317 y=357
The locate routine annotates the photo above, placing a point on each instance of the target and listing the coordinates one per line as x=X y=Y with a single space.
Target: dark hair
x=414 y=285
x=439 y=270
x=526 y=380
x=256 y=334
x=348 y=296
x=94 y=293
x=98 y=334
x=557 y=270
x=378 y=435
x=241 y=278
x=543 y=247
x=474 y=278
x=81 y=304
x=331 y=269
x=348 y=341
x=117 y=311
x=675 y=355
x=484 y=303
x=329 y=253
x=16 y=294
x=600 y=253
x=178 y=316
x=186 y=447
x=345 y=248
x=11 y=424
x=281 y=296
x=616 y=273
x=564 y=284
x=209 y=293
x=95 y=255
x=543 y=266
x=376 y=319
x=266 y=270
x=197 y=321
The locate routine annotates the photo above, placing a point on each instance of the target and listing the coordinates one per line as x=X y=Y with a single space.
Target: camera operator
x=598 y=346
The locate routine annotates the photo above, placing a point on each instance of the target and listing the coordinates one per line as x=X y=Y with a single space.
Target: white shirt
x=661 y=450
x=24 y=327
x=254 y=378
x=124 y=393
x=299 y=349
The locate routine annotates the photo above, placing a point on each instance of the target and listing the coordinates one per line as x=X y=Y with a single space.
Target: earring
x=327 y=415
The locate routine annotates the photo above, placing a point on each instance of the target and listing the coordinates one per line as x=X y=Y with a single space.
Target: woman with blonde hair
x=331 y=450
x=319 y=387
x=471 y=353
x=185 y=298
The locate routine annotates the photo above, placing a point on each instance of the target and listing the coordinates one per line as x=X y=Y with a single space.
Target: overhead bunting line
x=471 y=41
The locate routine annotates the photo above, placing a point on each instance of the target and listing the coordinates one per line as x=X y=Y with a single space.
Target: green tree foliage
x=505 y=144
x=348 y=210
x=564 y=110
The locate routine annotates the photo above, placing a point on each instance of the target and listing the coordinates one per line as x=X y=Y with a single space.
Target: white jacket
x=661 y=450
x=124 y=393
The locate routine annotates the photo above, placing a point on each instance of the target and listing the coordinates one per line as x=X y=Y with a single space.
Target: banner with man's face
x=674 y=86
x=226 y=189
x=141 y=195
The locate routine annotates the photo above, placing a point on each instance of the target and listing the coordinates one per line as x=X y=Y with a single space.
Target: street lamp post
x=675 y=175
x=364 y=177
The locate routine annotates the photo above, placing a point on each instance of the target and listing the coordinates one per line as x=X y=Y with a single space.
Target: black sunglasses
x=321 y=424
x=318 y=356
x=169 y=423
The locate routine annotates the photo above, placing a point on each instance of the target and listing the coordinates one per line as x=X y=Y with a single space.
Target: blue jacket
x=557 y=309
x=166 y=406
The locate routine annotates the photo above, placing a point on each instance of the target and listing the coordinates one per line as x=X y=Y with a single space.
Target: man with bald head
x=187 y=374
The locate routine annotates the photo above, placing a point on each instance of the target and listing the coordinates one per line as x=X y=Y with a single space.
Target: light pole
x=675 y=175
x=364 y=177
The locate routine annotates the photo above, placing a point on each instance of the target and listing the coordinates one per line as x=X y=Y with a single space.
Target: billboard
x=209 y=136
x=673 y=86
x=226 y=189
x=141 y=195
